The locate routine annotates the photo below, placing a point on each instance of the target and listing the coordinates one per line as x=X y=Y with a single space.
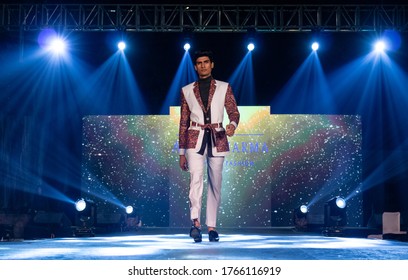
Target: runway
x=175 y=244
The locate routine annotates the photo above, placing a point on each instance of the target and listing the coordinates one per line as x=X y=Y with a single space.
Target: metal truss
x=203 y=18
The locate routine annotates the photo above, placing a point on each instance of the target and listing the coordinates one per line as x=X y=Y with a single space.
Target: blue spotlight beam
x=113 y=88
x=394 y=164
x=23 y=179
x=309 y=88
x=382 y=103
x=243 y=82
x=94 y=188
x=185 y=75
x=45 y=94
x=129 y=86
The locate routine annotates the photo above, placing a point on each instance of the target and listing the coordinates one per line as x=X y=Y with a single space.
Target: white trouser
x=196 y=164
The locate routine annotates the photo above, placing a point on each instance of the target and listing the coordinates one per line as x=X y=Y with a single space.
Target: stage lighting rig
x=133 y=220
x=187 y=46
x=251 y=47
x=251 y=38
x=188 y=37
x=334 y=216
x=129 y=209
x=315 y=46
x=85 y=218
x=121 y=46
x=380 y=46
x=300 y=217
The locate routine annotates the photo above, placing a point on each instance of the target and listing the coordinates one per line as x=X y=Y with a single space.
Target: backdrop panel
x=276 y=163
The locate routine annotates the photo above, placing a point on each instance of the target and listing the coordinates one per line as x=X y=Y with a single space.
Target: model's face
x=204 y=66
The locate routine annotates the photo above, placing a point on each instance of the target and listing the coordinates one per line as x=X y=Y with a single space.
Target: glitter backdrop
x=276 y=163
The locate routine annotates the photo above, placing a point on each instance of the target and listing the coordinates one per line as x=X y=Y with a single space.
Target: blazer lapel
x=197 y=95
x=211 y=94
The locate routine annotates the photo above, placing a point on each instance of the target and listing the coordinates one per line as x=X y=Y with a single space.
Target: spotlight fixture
x=251 y=38
x=132 y=220
x=340 y=202
x=188 y=37
x=335 y=216
x=121 y=45
x=187 y=46
x=380 y=46
x=129 y=209
x=315 y=46
x=57 y=46
x=300 y=217
x=86 y=217
x=303 y=209
x=80 y=205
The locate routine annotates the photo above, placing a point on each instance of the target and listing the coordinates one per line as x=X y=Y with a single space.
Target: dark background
x=41 y=121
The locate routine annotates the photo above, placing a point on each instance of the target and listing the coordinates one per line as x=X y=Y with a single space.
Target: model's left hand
x=230 y=130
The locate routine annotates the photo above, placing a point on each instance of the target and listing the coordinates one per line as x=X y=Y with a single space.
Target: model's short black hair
x=201 y=53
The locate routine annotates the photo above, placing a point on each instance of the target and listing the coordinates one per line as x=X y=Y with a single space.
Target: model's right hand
x=183 y=163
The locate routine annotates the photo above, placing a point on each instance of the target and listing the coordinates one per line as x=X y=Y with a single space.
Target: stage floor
x=175 y=244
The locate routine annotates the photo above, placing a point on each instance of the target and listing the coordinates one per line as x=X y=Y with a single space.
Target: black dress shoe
x=195 y=233
x=213 y=236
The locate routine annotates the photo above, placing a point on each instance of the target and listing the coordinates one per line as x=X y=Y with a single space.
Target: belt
x=208 y=125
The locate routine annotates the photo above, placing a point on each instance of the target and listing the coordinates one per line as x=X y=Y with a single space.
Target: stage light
x=121 y=45
x=303 y=209
x=80 y=205
x=188 y=37
x=129 y=209
x=315 y=46
x=340 y=202
x=57 y=45
x=52 y=42
x=86 y=218
x=335 y=216
x=132 y=219
x=300 y=217
x=84 y=206
x=251 y=47
x=187 y=46
x=380 y=46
